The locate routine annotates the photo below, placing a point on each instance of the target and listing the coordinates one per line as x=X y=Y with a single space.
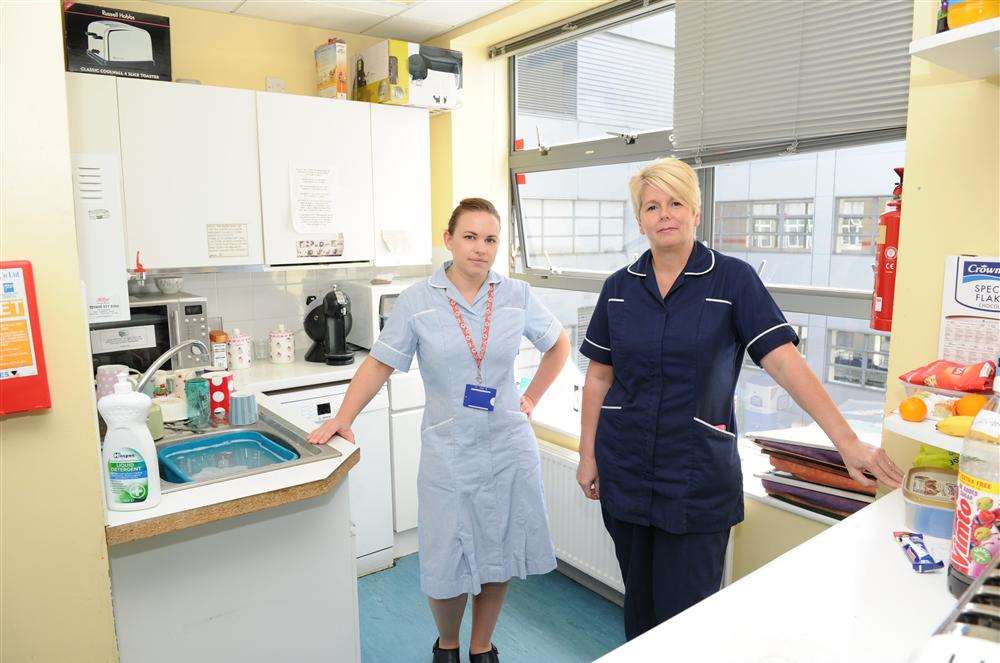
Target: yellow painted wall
x=56 y=601
x=951 y=204
x=766 y=533
x=240 y=51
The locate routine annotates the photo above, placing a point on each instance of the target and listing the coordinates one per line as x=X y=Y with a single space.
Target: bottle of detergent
x=975 y=539
x=131 y=470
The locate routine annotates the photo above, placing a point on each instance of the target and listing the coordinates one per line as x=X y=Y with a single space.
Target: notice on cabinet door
x=312 y=199
x=228 y=240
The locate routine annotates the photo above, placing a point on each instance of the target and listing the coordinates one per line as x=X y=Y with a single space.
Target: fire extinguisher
x=886 y=257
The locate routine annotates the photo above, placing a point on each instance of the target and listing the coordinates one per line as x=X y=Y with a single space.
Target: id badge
x=480 y=398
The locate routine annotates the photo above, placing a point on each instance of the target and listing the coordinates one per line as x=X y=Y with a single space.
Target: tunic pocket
x=716 y=336
x=716 y=478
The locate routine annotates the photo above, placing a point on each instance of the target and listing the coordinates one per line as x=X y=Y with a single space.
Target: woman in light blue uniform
x=481 y=510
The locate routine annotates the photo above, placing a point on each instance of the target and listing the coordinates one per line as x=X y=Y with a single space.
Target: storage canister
x=239 y=350
x=929 y=494
x=282 y=345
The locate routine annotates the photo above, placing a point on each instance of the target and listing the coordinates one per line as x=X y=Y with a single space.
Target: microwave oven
x=370 y=307
x=157 y=323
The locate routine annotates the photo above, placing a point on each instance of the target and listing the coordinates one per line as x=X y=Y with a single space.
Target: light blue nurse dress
x=481 y=507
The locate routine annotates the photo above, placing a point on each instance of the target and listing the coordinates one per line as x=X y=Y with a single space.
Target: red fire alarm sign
x=24 y=385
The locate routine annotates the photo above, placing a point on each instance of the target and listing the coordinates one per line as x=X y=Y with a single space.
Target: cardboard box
x=331 y=69
x=116 y=42
x=408 y=74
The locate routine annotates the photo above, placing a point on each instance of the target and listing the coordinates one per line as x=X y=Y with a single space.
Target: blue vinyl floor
x=547 y=618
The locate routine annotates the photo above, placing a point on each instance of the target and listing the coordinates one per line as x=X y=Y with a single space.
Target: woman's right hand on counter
x=586 y=476
x=330 y=428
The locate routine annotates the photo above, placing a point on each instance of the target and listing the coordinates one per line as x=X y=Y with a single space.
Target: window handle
x=542 y=149
x=760 y=268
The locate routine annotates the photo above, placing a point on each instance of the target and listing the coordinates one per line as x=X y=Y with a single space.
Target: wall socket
x=274 y=84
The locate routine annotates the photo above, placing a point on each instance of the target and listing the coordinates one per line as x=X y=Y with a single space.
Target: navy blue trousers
x=664 y=573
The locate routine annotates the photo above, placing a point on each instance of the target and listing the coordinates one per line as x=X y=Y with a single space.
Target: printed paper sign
x=17 y=349
x=320 y=248
x=312 y=199
x=970 y=309
x=228 y=240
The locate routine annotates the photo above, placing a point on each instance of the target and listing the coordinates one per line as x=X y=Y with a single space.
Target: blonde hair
x=673 y=177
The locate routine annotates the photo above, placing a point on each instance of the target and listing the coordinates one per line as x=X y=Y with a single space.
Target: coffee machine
x=328 y=323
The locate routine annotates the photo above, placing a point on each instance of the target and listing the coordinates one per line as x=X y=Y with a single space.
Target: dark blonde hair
x=471 y=205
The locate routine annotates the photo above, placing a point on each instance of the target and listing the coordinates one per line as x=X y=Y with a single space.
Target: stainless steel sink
x=287 y=440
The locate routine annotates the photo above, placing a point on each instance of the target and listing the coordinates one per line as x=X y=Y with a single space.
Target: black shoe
x=445 y=655
x=491 y=656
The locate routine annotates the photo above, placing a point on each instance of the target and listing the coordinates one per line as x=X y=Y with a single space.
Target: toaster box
x=331 y=69
x=116 y=42
x=408 y=74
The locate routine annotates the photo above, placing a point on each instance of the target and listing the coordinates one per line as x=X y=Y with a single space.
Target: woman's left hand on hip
x=527 y=405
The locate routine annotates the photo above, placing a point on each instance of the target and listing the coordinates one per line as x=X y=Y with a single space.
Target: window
x=558 y=227
x=617 y=80
x=857 y=358
x=775 y=225
x=797 y=218
x=801 y=209
x=857 y=221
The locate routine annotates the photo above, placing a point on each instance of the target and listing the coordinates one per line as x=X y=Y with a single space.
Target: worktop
x=848 y=595
x=265 y=376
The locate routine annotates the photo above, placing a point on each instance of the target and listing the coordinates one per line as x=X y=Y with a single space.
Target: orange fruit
x=913 y=409
x=970 y=405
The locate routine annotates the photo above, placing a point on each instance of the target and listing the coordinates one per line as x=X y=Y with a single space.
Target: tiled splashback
x=257 y=302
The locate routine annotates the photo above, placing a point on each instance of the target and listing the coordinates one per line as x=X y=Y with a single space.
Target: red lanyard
x=476 y=356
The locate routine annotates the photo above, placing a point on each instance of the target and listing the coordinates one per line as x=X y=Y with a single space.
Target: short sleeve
x=760 y=324
x=596 y=344
x=397 y=342
x=541 y=327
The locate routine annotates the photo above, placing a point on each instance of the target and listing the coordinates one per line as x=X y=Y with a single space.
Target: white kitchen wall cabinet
x=189 y=153
x=97 y=194
x=315 y=179
x=401 y=174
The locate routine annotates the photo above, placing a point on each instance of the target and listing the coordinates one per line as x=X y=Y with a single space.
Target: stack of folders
x=808 y=471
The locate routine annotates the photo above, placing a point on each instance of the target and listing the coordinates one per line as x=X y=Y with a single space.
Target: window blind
x=753 y=73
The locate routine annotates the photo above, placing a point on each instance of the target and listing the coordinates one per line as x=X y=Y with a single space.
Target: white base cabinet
x=406 y=406
x=276 y=585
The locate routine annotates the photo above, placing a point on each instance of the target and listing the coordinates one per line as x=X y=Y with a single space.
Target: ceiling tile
x=452 y=13
x=401 y=27
x=327 y=14
x=210 y=5
x=379 y=7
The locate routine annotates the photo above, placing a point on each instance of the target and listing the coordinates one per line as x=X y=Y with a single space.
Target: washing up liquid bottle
x=975 y=539
x=131 y=469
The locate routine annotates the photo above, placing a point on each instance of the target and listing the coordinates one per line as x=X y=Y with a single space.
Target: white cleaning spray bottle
x=131 y=470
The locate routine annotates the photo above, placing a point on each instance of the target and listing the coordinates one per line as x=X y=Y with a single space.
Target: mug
x=220 y=386
x=162 y=382
x=181 y=376
x=107 y=376
x=198 y=408
x=244 y=409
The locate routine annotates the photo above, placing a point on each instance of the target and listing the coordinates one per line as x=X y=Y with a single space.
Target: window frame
x=867 y=353
x=648 y=146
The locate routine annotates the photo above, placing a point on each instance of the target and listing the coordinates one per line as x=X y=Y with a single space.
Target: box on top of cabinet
x=408 y=74
x=116 y=42
x=331 y=69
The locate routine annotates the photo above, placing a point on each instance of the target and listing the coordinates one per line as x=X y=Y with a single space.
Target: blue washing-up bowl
x=221 y=455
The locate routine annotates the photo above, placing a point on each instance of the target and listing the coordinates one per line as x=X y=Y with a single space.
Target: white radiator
x=576 y=524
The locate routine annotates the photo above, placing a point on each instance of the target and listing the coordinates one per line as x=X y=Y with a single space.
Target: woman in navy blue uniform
x=658 y=442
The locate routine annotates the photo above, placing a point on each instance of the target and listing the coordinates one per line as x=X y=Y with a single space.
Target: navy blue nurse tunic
x=662 y=459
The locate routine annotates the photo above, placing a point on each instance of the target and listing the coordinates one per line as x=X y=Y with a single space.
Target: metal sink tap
x=199 y=345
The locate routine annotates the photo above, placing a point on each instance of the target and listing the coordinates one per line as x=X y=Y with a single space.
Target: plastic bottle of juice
x=975 y=540
x=964 y=12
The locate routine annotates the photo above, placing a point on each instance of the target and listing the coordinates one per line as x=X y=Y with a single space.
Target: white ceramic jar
x=240 y=351
x=281 y=343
